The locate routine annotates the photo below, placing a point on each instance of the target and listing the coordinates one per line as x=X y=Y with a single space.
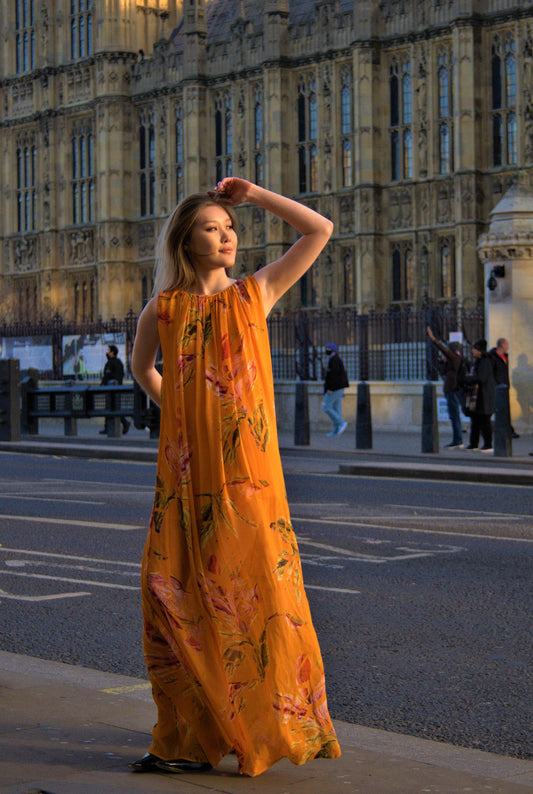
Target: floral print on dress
x=229 y=642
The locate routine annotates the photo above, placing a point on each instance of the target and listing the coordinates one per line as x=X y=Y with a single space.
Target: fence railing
x=391 y=345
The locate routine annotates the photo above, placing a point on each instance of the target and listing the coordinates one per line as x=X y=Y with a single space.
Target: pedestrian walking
x=229 y=642
x=335 y=381
x=113 y=375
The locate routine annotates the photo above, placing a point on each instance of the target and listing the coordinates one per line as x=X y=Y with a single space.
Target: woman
x=482 y=382
x=229 y=643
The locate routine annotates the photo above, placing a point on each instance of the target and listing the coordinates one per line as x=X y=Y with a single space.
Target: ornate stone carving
x=25 y=253
x=81 y=246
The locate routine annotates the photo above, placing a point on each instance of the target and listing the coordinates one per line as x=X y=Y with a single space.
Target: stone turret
x=194 y=38
x=507 y=253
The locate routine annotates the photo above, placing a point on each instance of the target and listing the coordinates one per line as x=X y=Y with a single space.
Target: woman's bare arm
x=145 y=351
x=277 y=277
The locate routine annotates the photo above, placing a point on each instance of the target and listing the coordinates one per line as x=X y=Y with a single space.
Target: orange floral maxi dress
x=229 y=644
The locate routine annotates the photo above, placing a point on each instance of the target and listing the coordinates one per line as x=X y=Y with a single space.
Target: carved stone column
x=507 y=253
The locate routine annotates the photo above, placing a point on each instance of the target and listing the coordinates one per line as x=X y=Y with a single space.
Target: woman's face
x=213 y=240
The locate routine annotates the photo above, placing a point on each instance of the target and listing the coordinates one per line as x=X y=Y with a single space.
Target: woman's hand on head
x=233 y=190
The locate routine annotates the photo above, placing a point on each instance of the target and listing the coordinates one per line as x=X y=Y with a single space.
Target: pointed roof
x=514 y=213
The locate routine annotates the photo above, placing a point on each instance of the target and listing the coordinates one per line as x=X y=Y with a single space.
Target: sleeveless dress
x=229 y=644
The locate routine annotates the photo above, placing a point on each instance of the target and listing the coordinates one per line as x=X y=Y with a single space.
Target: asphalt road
x=420 y=591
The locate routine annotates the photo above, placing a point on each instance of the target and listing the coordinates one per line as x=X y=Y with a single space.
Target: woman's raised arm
x=277 y=277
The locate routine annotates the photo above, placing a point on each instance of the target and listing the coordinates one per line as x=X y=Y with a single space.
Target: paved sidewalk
x=393 y=453
x=70 y=730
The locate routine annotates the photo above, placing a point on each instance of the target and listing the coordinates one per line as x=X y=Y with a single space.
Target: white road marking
x=331 y=589
x=306 y=519
x=107 y=484
x=47 y=498
x=72 y=522
x=53 y=597
x=461 y=511
x=109 y=585
x=66 y=556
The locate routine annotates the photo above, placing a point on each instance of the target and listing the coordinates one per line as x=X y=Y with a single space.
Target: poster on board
x=33 y=352
x=84 y=354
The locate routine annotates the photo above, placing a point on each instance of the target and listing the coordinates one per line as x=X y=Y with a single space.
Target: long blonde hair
x=173 y=268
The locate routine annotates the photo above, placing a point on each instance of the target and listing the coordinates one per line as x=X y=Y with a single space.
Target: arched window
x=26 y=156
x=407 y=154
x=447 y=270
x=80 y=28
x=406 y=94
x=444 y=149
x=258 y=135
x=346 y=162
x=403 y=276
x=445 y=113
x=24 y=35
x=401 y=142
x=82 y=174
x=512 y=154
x=223 y=136
x=178 y=147
x=346 y=127
x=147 y=159
x=444 y=100
x=307 y=134
x=504 y=98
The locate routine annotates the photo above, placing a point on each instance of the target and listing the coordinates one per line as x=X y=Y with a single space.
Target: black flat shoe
x=180 y=765
x=148 y=763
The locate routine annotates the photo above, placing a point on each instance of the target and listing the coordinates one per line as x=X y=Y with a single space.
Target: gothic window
x=504 y=101
x=403 y=281
x=346 y=127
x=447 y=269
x=258 y=136
x=147 y=167
x=445 y=114
x=81 y=34
x=24 y=35
x=307 y=135
x=26 y=179
x=223 y=137
x=401 y=141
x=178 y=165
x=82 y=184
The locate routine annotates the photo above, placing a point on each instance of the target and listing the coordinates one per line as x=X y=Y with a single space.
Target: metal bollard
x=503 y=442
x=363 y=420
x=301 y=415
x=10 y=399
x=430 y=420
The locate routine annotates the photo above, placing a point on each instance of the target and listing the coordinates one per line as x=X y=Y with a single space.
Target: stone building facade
x=404 y=122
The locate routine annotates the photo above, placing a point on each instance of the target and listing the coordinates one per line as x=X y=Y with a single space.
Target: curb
x=499 y=473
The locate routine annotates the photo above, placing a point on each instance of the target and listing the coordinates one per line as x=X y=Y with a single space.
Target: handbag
x=471 y=399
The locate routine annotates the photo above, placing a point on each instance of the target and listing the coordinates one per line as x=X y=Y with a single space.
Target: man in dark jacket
x=482 y=379
x=453 y=362
x=499 y=356
x=113 y=375
x=335 y=381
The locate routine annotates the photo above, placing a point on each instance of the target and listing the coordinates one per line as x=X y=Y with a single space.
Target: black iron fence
x=391 y=345
x=387 y=346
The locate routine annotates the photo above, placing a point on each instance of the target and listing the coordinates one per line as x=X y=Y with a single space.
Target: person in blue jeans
x=335 y=381
x=452 y=367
